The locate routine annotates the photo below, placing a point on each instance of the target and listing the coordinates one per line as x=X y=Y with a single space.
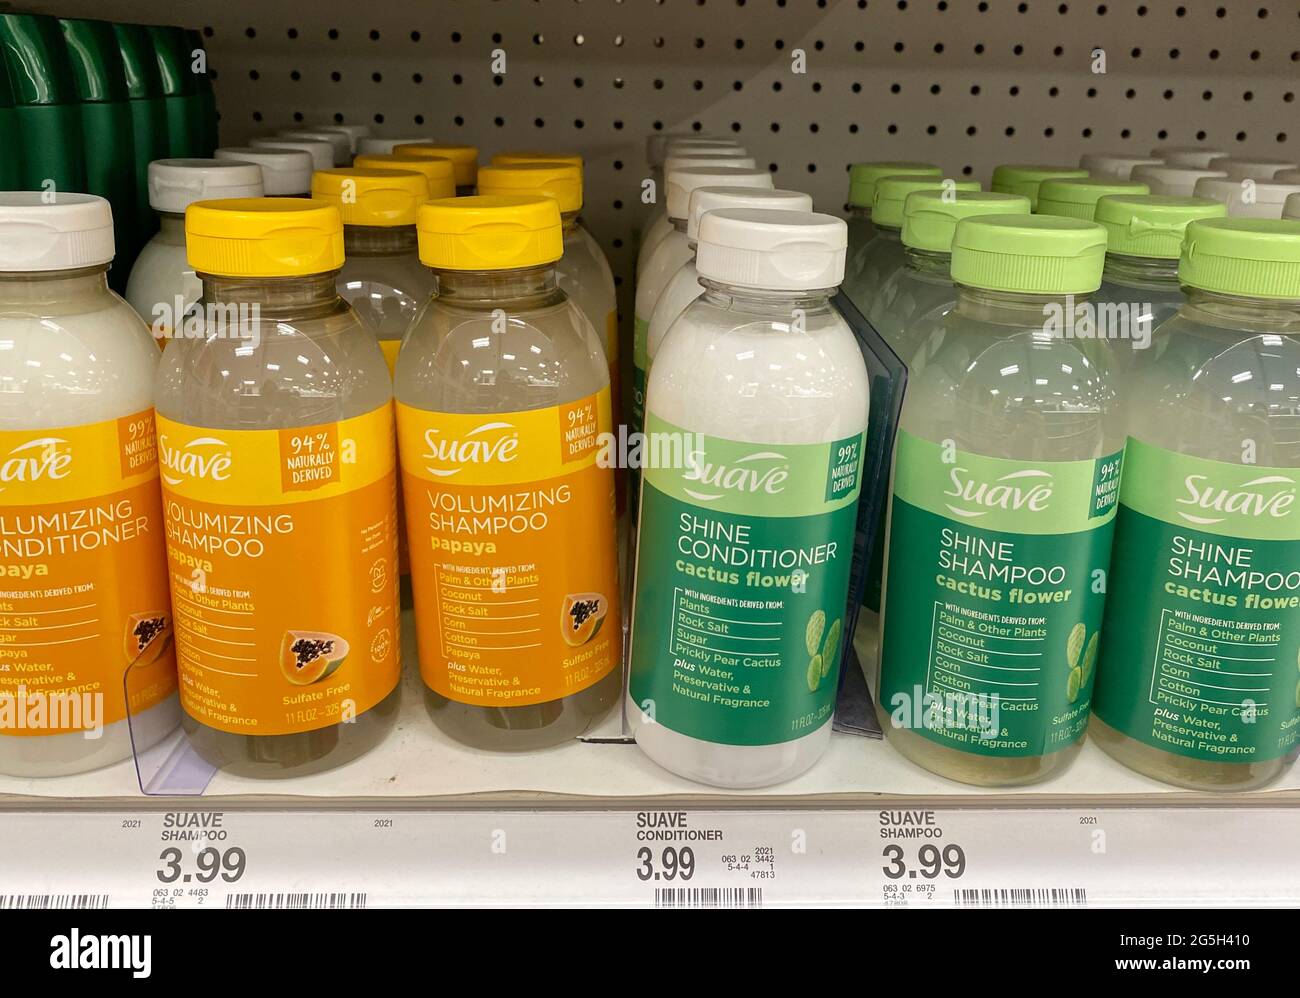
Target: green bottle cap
x=1029 y=254
x=863 y=177
x=1077 y=197
x=1251 y=257
x=39 y=68
x=139 y=60
x=892 y=192
x=173 y=53
x=930 y=217
x=1150 y=225
x=96 y=60
x=1024 y=178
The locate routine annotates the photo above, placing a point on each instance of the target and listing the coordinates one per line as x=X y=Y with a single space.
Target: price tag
x=669 y=858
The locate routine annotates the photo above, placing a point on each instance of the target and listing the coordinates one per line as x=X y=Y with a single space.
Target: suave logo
x=202 y=457
x=48 y=458
x=484 y=444
x=1006 y=493
x=1249 y=499
x=763 y=472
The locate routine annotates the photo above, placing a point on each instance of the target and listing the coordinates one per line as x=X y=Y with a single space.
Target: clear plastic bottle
x=162 y=286
x=1026 y=178
x=682 y=157
x=912 y=305
x=76 y=429
x=382 y=277
x=684 y=286
x=1140 y=283
x=746 y=536
x=1004 y=482
x=671 y=252
x=286 y=173
x=438 y=171
x=1075 y=197
x=862 y=194
x=1197 y=675
x=882 y=257
x=464 y=161
x=503 y=397
x=275 y=439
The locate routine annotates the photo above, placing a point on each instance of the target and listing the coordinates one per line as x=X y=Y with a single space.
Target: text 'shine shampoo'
x=81 y=522
x=1005 y=480
x=163 y=285
x=382 y=277
x=757 y=418
x=1199 y=676
x=504 y=423
x=275 y=440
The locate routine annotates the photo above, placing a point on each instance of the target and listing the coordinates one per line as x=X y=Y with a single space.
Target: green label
x=640 y=366
x=1202 y=639
x=994 y=596
x=741 y=585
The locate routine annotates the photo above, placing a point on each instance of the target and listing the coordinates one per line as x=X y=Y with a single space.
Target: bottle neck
x=523 y=287
x=1014 y=308
x=679 y=224
x=1238 y=312
x=1141 y=272
x=379 y=240
x=52 y=287
x=928 y=262
x=298 y=296
x=172 y=226
x=861 y=213
x=752 y=301
x=888 y=233
x=569 y=223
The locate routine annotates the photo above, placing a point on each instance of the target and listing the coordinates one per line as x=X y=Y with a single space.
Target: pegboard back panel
x=808 y=86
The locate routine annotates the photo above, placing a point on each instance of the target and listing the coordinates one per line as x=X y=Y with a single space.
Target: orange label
x=282 y=549
x=83 y=582
x=513 y=561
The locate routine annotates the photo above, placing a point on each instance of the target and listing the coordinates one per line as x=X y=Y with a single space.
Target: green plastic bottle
x=45 y=102
x=180 y=92
x=148 y=115
x=207 y=97
x=1197 y=674
x=11 y=143
x=106 y=130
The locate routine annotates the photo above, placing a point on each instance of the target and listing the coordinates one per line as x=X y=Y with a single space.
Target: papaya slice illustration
x=307 y=657
x=581 y=617
x=147 y=636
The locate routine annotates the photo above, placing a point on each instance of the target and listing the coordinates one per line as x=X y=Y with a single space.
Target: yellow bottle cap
x=494 y=232
x=263 y=237
x=463 y=158
x=517 y=156
x=554 y=180
x=367 y=196
x=439 y=172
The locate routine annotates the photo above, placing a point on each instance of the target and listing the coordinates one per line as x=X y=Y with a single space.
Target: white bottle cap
x=1248 y=198
x=355 y=133
x=42 y=231
x=1292 y=207
x=340 y=140
x=681 y=181
x=1249 y=168
x=372 y=146
x=656 y=143
x=1102 y=164
x=772 y=250
x=687 y=160
x=284 y=171
x=689 y=147
x=1173 y=181
x=1197 y=156
x=175 y=184
x=705 y=199
x=321 y=153
x=1287 y=177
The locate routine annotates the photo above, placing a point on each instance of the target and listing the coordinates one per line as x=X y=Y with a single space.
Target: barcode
x=10 y=901
x=1021 y=897
x=708 y=897
x=304 y=900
